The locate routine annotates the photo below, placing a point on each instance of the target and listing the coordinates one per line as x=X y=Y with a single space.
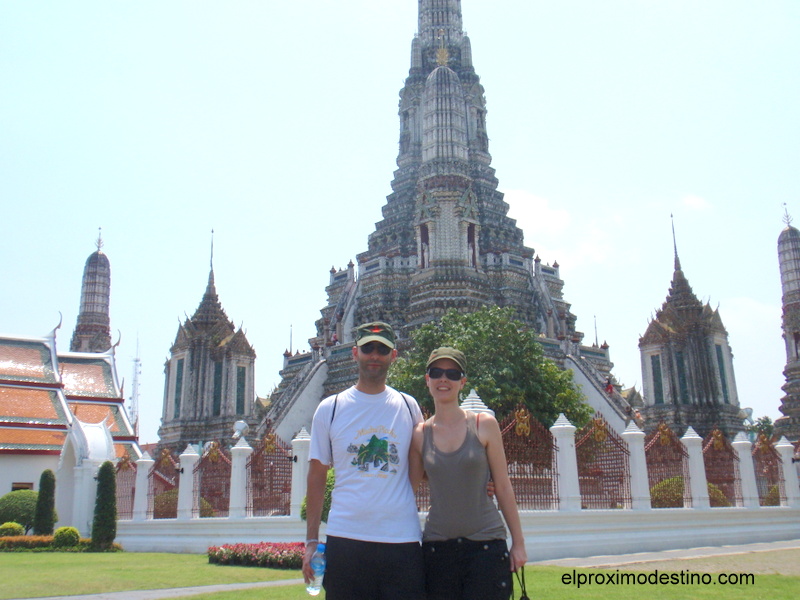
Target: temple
x=789 y=259
x=687 y=365
x=445 y=240
x=210 y=378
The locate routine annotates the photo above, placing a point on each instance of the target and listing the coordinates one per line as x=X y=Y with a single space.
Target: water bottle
x=318 y=566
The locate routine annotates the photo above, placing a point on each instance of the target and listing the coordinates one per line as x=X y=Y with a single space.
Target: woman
x=464 y=540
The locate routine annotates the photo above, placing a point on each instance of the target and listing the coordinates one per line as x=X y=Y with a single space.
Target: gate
x=531 y=455
x=126 y=487
x=722 y=470
x=667 y=469
x=212 y=483
x=269 y=478
x=603 y=466
x=162 y=493
x=769 y=473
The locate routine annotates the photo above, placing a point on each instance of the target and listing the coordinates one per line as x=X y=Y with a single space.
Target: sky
x=275 y=125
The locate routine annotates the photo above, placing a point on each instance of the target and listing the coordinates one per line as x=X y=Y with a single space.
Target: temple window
x=217 y=399
x=241 y=378
x=178 y=389
x=722 y=376
x=658 y=385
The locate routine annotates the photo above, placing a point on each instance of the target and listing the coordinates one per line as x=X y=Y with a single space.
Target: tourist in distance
x=373 y=533
x=464 y=539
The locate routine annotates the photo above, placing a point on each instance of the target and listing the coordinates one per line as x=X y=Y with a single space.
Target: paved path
x=610 y=561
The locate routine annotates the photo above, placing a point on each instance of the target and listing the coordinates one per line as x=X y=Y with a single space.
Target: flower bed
x=264 y=554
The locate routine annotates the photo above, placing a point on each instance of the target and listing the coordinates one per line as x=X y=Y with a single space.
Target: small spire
x=675 y=244
x=787 y=218
x=211 y=262
x=99 y=241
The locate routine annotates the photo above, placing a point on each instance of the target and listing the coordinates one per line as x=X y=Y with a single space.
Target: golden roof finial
x=442 y=55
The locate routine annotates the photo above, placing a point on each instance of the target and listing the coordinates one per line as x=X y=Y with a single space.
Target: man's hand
x=308 y=572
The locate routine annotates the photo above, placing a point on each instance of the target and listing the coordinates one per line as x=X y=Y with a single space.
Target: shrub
x=66 y=537
x=44 y=518
x=717 y=497
x=165 y=506
x=773 y=497
x=104 y=526
x=330 y=481
x=265 y=554
x=11 y=529
x=20 y=507
x=667 y=493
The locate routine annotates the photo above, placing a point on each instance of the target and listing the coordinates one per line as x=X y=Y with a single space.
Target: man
x=373 y=534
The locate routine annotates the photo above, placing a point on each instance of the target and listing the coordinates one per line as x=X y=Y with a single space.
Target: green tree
x=104 y=526
x=505 y=363
x=19 y=507
x=762 y=425
x=45 y=518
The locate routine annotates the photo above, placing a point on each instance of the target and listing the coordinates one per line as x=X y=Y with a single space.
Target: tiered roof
x=34 y=415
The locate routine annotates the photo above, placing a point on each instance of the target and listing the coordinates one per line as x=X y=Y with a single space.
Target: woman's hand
x=517 y=556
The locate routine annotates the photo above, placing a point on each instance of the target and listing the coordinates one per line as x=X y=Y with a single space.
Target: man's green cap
x=447 y=352
x=378 y=331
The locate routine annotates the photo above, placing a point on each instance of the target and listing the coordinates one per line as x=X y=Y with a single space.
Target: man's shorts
x=359 y=570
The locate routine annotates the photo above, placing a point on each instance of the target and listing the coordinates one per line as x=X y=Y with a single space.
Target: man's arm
x=315 y=495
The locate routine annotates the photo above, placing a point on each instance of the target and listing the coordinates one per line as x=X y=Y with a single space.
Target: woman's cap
x=378 y=331
x=447 y=352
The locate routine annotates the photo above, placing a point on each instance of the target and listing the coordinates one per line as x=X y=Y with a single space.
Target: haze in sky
x=275 y=124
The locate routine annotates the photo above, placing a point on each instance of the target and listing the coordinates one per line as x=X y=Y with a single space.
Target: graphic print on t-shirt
x=377 y=454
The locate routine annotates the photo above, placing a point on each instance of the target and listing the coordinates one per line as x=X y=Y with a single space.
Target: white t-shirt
x=370 y=437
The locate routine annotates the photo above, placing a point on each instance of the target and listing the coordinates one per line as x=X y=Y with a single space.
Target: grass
x=22 y=575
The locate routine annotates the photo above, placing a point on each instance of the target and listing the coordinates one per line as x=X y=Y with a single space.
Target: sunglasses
x=371 y=347
x=451 y=374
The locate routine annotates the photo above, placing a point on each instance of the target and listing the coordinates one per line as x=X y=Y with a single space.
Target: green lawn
x=29 y=575
x=36 y=574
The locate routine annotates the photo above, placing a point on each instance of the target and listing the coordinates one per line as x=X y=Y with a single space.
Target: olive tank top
x=460 y=506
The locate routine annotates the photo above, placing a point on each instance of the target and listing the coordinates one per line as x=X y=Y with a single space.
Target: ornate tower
x=93 y=329
x=445 y=240
x=687 y=365
x=209 y=378
x=789 y=259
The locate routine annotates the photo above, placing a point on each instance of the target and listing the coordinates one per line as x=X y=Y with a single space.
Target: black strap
x=521 y=582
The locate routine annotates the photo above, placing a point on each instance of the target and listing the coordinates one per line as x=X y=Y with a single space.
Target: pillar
x=238 y=500
x=697 y=469
x=569 y=491
x=143 y=466
x=186 y=494
x=790 y=480
x=640 y=482
x=744 y=448
x=301 y=448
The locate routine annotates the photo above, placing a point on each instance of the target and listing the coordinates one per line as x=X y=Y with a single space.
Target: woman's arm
x=416 y=471
x=492 y=439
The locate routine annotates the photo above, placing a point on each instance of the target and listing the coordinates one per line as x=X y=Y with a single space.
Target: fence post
x=238 y=502
x=301 y=447
x=569 y=491
x=747 y=471
x=697 y=469
x=640 y=483
x=186 y=492
x=790 y=481
x=143 y=466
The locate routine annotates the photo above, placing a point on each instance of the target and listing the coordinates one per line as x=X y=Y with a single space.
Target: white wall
x=20 y=468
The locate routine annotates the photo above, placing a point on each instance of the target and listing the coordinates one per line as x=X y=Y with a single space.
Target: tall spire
x=439 y=15
x=93 y=329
